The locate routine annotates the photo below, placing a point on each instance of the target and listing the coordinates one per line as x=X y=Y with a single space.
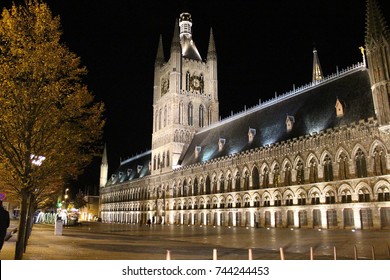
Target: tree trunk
x=29 y=222
x=19 y=249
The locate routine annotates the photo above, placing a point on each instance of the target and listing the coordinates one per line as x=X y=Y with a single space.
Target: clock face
x=196 y=83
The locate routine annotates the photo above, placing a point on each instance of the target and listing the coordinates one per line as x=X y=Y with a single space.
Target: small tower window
x=251 y=134
x=290 y=120
x=198 y=149
x=139 y=168
x=339 y=109
x=221 y=144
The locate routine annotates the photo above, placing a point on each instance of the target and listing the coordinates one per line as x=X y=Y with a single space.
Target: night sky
x=263 y=47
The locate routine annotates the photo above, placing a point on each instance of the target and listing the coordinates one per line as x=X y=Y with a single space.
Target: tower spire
x=378 y=59
x=211 y=52
x=376 y=27
x=317 y=70
x=160 y=53
x=175 y=46
x=104 y=168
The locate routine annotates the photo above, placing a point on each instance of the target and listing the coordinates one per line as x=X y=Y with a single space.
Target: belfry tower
x=377 y=43
x=185 y=95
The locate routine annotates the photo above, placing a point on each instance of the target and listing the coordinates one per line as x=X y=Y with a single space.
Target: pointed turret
x=378 y=60
x=317 y=70
x=175 y=45
x=211 y=52
x=104 y=168
x=160 y=54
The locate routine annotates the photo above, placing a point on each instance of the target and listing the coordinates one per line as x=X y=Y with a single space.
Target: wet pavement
x=98 y=241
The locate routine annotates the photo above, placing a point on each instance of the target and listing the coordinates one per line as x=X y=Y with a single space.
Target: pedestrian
x=149 y=222
x=4 y=223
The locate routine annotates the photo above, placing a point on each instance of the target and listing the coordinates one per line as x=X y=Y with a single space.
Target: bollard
x=250 y=256
x=281 y=254
x=334 y=253
x=311 y=254
x=215 y=254
x=373 y=252
x=355 y=252
x=168 y=256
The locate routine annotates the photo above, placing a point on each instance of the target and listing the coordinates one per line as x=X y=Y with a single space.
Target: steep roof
x=309 y=110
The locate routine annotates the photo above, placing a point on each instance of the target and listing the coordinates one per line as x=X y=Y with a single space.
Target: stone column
x=296 y=218
x=272 y=217
x=356 y=218
x=324 y=220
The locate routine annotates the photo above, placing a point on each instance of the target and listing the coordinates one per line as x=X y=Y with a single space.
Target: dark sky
x=263 y=47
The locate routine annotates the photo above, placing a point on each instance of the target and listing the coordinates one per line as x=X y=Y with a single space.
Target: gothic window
x=246 y=180
x=313 y=175
x=301 y=199
x=343 y=167
x=159 y=118
x=165 y=116
x=315 y=199
x=289 y=200
x=346 y=197
x=330 y=198
x=276 y=173
x=190 y=114
x=287 y=175
x=209 y=116
x=278 y=201
x=167 y=159
x=237 y=182
x=208 y=185
x=196 y=186
x=364 y=195
x=154 y=163
x=221 y=184
x=188 y=81
x=339 y=109
x=265 y=183
x=383 y=194
x=181 y=113
x=255 y=178
x=300 y=173
x=202 y=83
x=256 y=203
x=379 y=162
x=267 y=202
x=229 y=183
x=328 y=170
x=158 y=162
x=201 y=116
x=163 y=160
x=215 y=185
x=360 y=161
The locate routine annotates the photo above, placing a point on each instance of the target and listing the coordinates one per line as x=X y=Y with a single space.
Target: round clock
x=196 y=83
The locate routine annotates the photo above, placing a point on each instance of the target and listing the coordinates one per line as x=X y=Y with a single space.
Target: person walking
x=4 y=223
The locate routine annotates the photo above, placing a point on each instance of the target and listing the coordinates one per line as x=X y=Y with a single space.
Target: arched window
x=167 y=159
x=246 y=180
x=278 y=201
x=237 y=182
x=181 y=113
x=379 y=162
x=330 y=198
x=315 y=199
x=300 y=173
x=208 y=185
x=301 y=199
x=360 y=161
x=196 y=186
x=346 y=197
x=159 y=118
x=201 y=116
x=287 y=175
x=188 y=80
x=214 y=185
x=383 y=194
x=209 y=116
x=328 y=170
x=313 y=175
x=229 y=183
x=289 y=200
x=265 y=182
x=364 y=195
x=276 y=173
x=222 y=184
x=343 y=166
x=190 y=114
x=255 y=178
x=202 y=83
x=165 y=116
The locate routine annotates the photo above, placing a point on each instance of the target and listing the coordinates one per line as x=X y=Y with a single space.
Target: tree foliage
x=45 y=107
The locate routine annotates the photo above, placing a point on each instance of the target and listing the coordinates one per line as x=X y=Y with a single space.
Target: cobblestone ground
x=97 y=241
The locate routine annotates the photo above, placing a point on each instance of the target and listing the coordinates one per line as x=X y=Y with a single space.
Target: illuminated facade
x=317 y=156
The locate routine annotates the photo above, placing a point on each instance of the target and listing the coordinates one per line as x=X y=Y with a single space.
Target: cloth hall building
x=318 y=156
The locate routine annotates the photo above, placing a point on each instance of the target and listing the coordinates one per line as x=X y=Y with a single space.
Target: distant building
x=317 y=156
x=91 y=211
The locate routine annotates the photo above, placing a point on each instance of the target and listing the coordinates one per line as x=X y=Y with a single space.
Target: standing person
x=4 y=223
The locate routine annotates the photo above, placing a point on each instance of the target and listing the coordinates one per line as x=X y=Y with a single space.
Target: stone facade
x=336 y=176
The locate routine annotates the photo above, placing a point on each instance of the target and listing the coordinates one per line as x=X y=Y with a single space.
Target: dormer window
x=221 y=143
x=339 y=109
x=113 y=177
x=139 y=168
x=251 y=134
x=290 y=120
x=129 y=171
x=197 y=151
